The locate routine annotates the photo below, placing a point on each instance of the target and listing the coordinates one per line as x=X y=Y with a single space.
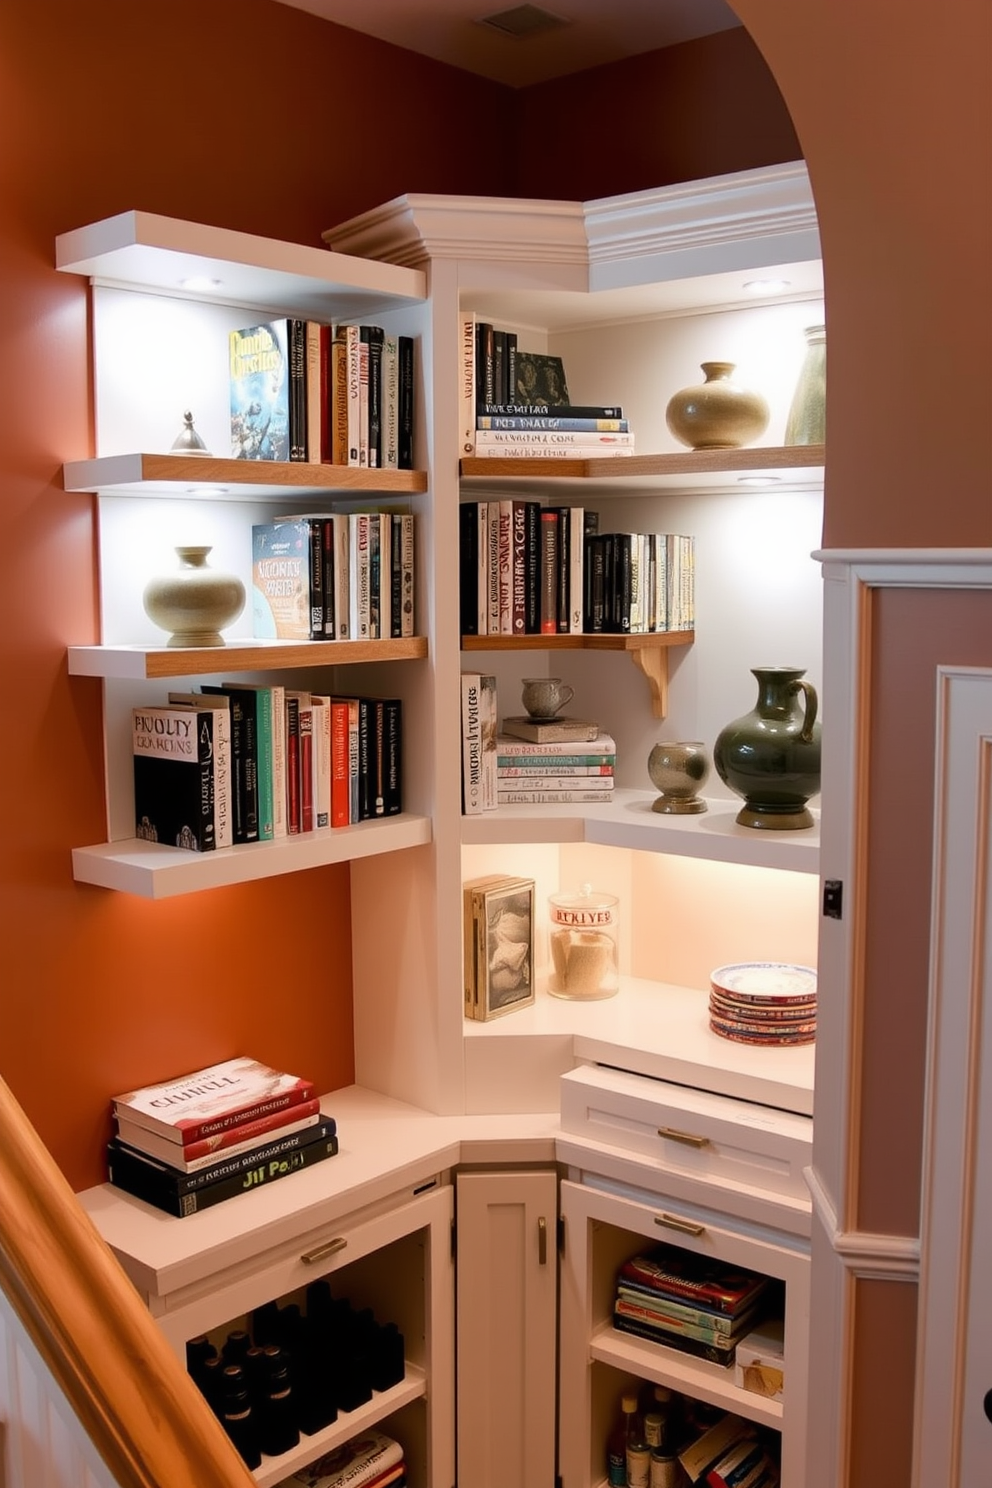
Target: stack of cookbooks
x=203 y=1137
x=371 y=1460
x=553 y=762
x=690 y=1302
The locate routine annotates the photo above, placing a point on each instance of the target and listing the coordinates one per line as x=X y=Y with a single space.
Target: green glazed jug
x=771 y=756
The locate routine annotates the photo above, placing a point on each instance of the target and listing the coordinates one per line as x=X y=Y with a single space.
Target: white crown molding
x=925 y=568
x=864 y=1254
x=744 y=219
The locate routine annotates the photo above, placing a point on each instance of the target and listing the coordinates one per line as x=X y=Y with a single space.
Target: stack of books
x=689 y=1302
x=325 y=394
x=564 y=760
x=243 y=762
x=371 y=1460
x=203 y=1137
x=733 y=1453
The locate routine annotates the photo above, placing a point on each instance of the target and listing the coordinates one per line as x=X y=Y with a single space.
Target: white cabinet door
x=506 y=1312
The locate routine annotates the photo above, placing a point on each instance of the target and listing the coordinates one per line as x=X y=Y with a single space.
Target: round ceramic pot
x=719 y=413
x=678 y=772
x=194 y=603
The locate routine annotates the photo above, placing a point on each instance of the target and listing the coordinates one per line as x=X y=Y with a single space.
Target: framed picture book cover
x=540 y=381
x=499 y=946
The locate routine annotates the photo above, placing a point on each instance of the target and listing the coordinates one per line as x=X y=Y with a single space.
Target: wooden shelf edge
x=151 y=870
x=711 y=1382
x=163 y=474
x=142 y=663
x=684 y=462
x=647 y=650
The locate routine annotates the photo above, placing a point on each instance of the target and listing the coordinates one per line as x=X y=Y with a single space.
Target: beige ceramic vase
x=719 y=413
x=195 y=602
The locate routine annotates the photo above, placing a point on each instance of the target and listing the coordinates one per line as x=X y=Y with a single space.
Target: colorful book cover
x=682 y=1273
x=193 y=1155
x=260 y=391
x=221 y=783
x=205 y=1101
x=173 y=777
x=281 y=602
x=364 y=1460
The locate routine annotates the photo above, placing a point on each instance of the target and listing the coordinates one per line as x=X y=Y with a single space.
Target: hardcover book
x=190 y=1156
x=221 y=783
x=540 y=380
x=173 y=777
x=213 y=1099
x=182 y=1194
x=682 y=1273
x=244 y=759
x=552 y=731
x=281 y=594
x=472 y=768
x=498 y=945
x=367 y=1459
x=260 y=394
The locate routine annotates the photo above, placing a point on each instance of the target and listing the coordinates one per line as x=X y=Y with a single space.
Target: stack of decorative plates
x=764 y=1002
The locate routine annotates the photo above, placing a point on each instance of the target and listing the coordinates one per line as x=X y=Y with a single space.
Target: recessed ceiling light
x=200 y=283
x=206 y=490
x=523 y=21
x=758 y=480
x=767 y=286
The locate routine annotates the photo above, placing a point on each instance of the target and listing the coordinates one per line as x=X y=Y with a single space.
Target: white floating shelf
x=154 y=871
x=141 y=250
x=274 y=1470
x=139 y=663
x=220 y=479
x=628 y=821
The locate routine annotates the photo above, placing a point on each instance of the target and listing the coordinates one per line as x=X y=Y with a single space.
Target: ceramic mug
x=544 y=696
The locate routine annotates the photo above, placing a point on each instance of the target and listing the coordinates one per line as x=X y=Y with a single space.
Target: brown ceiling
x=587 y=33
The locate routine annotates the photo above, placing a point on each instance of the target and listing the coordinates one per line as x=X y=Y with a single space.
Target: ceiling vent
x=523 y=21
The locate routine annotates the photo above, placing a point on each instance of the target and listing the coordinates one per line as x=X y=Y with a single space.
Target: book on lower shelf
x=173 y=768
x=192 y=1156
x=205 y=1102
x=370 y=1460
x=479 y=717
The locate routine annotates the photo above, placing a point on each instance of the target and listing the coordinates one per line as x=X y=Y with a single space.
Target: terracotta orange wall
x=250 y=115
x=695 y=110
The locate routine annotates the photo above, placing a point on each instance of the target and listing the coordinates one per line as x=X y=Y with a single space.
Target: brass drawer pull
x=688 y=1138
x=684 y=1226
x=321 y=1252
x=542 y=1241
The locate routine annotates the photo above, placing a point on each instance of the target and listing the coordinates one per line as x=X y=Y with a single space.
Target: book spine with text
x=404 y=617
x=551 y=423
x=390 y=403
x=190 y=1156
x=392 y=710
x=472 y=784
x=549 y=572
x=518 y=560
x=404 y=350
x=505 y=567
x=297 y=390
x=466 y=384
x=374 y=337
x=340 y=764
x=321 y=760
x=510 y=797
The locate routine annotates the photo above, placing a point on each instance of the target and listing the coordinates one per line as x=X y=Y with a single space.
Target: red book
x=340 y=764
x=306 y=767
x=192 y=1155
x=549 y=573
x=292 y=764
x=212 y=1100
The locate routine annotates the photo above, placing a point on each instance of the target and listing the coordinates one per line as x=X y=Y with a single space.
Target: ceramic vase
x=719 y=413
x=771 y=756
x=195 y=602
x=807 y=420
x=678 y=772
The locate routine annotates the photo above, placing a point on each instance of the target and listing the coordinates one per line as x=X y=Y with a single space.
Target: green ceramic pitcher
x=771 y=756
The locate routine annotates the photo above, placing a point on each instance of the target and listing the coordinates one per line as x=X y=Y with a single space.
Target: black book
x=390 y=759
x=404 y=443
x=532 y=569
x=622 y=588
x=499 y=365
x=510 y=380
x=375 y=578
x=564 y=558
x=678 y=1341
x=374 y=336
x=468 y=567
x=244 y=759
x=485 y=355
x=366 y=732
x=173 y=777
x=609 y=581
x=297 y=331
x=183 y=1194
x=565 y=410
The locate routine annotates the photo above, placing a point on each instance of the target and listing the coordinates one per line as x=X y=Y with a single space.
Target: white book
x=385 y=575
x=359 y=577
x=341 y=544
x=486 y=439
x=544 y=781
x=321 y=760
x=390 y=403
x=576 y=567
x=472 y=776
x=551 y=452
x=220 y=708
x=466 y=383
x=504 y=577
x=635 y=582
x=490 y=729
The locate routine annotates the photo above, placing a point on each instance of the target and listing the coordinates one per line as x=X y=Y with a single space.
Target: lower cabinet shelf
x=154 y=871
x=348 y=1424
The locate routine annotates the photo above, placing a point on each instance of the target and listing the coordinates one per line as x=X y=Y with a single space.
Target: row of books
x=555 y=773
x=327 y=394
x=690 y=1302
x=515 y=403
x=204 y=1137
x=528 y=569
x=733 y=1453
x=334 y=576
x=244 y=762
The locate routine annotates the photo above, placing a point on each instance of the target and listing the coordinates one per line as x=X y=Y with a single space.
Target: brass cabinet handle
x=688 y=1138
x=321 y=1252
x=542 y=1241
x=684 y=1226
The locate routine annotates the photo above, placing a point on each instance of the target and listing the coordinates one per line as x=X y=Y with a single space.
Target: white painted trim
x=864 y=1254
x=949 y=1380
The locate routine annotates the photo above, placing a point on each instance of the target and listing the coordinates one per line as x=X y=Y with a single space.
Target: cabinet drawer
x=714 y=1138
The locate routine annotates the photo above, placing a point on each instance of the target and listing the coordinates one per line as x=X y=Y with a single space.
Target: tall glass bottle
x=807 y=420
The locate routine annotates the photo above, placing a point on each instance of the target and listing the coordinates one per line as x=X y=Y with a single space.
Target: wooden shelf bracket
x=653 y=662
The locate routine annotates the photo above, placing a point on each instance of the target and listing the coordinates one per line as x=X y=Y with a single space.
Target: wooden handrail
x=132 y=1395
